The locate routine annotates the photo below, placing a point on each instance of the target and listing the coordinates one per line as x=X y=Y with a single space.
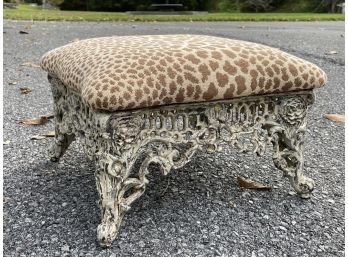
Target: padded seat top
x=128 y=72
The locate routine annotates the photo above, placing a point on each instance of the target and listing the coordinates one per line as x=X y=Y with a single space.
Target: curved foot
x=54 y=153
x=303 y=186
x=59 y=147
x=107 y=233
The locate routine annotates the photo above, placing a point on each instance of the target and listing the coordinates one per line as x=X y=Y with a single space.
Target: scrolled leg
x=111 y=210
x=117 y=191
x=64 y=135
x=288 y=140
x=288 y=157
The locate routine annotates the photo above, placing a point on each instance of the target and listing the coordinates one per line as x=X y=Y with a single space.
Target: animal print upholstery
x=128 y=72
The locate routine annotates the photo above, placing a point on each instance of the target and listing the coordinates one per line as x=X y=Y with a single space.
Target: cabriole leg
x=288 y=157
x=63 y=125
x=117 y=191
x=288 y=140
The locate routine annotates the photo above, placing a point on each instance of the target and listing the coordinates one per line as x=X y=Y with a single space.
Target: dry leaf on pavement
x=12 y=83
x=6 y=199
x=43 y=136
x=36 y=121
x=332 y=52
x=250 y=184
x=30 y=64
x=25 y=90
x=7 y=142
x=335 y=117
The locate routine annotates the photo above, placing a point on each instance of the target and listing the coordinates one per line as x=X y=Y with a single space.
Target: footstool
x=163 y=97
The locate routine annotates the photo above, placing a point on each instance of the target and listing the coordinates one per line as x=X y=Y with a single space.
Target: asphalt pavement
x=50 y=209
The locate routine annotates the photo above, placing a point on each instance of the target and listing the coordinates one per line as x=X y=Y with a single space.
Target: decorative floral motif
x=293 y=110
x=125 y=130
x=117 y=140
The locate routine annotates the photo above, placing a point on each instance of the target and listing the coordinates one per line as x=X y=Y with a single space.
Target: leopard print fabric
x=128 y=72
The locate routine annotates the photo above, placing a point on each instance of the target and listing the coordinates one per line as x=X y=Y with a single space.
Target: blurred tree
x=257 y=5
x=328 y=5
x=73 y=5
x=228 y=5
x=105 y=5
x=52 y=2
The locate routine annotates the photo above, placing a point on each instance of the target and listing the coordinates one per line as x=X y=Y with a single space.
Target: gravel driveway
x=50 y=209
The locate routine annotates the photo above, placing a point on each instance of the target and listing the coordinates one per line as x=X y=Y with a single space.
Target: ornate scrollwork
x=170 y=135
x=293 y=110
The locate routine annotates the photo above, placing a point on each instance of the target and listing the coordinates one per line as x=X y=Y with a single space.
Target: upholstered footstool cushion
x=128 y=72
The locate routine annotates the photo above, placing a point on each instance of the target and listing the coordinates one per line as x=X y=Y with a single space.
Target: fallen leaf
x=25 y=90
x=30 y=64
x=37 y=137
x=332 y=52
x=335 y=117
x=38 y=121
x=49 y=134
x=23 y=32
x=43 y=136
x=247 y=183
x=6 y=199
x=7 y=142
x=28 y=27
x=12 y=83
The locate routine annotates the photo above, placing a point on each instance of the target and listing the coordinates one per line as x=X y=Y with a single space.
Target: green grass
x=26 y=12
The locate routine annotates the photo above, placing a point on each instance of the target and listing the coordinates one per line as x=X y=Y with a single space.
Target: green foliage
x=228 y=6
x=328 y=5
x=55 y=2
x=124 y=5
x=275 y=5
x=306 y=5
x=257 y=5
x=26 y=12
x=199 y=5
